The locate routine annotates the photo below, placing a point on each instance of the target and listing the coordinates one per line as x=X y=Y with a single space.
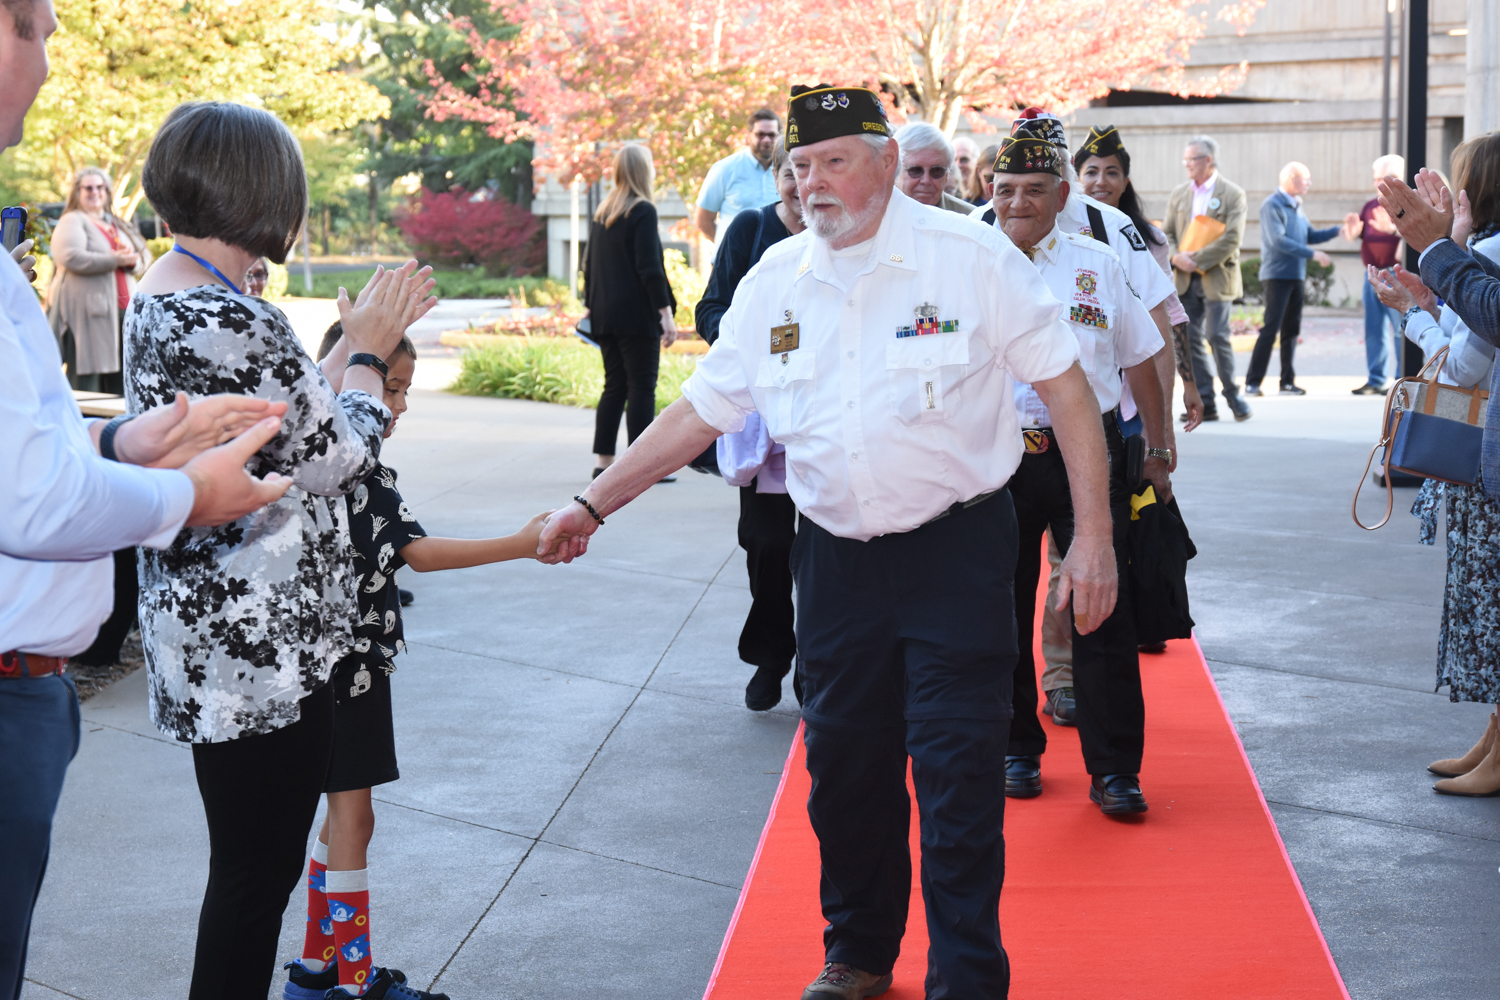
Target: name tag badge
x=784 y=339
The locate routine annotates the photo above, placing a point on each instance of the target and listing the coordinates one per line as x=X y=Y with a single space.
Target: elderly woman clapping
x=242 y=623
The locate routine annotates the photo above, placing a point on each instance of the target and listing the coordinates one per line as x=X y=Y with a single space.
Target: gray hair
x=1389 y=165
x=1290 y=170
x=1208 y=144
x=878 y=143
x=914 y=137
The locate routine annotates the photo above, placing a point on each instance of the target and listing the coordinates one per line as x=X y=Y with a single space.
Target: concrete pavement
x=582 y=789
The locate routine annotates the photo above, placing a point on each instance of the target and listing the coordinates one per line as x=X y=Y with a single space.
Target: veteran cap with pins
x=1029 y=154
x=1042 y=124
x=817 y=113
x=1103 y=140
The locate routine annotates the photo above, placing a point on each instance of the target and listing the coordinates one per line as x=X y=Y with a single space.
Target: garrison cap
x=1028 y=154
x=1042 y=124
x=1103 y=140
x=817 y=113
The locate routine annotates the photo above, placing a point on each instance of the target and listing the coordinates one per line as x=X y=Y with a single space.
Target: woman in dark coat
x=630 y=303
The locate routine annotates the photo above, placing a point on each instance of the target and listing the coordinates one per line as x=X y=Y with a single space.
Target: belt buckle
x=10 y=665
x=1036 y=441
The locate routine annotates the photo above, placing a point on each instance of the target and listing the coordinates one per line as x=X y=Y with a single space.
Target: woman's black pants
x=260 y=795
x=1283 y=316
x=630 y=365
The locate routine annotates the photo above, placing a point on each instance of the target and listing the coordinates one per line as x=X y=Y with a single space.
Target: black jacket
x=748 y=236
x=625 y=281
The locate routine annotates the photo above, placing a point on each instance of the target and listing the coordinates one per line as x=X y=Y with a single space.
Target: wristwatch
x=371 y=360
x=1165 y=454
x=1406 y=316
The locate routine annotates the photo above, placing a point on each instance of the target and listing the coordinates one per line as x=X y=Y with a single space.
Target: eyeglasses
x=92 y=187
x=936 y=173
x=1188 y=161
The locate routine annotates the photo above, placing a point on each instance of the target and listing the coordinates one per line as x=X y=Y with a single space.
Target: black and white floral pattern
x=242 y=621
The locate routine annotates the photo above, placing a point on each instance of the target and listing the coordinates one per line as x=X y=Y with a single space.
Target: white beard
x=837 y=227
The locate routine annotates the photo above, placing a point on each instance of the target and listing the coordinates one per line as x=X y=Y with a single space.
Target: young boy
x=336 y=959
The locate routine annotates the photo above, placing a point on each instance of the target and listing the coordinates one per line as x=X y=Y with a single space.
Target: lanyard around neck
x=209 y=267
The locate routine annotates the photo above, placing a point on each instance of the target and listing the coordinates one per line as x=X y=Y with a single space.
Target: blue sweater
x=1285 y=238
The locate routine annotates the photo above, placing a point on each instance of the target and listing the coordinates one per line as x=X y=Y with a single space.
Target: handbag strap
x=1387 y=431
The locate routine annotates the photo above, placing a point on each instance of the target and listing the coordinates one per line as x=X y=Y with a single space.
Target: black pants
x=768 y=527
x=902 y=654
x=106 y=646
x=1284 y=316
x=260 y=795
x=1106 y=663
x=630 y=365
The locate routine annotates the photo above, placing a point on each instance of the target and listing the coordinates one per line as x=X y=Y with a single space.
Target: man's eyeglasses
x=936 y=173
x=1188 y=161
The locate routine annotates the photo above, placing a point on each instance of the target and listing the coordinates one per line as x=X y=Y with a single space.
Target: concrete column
x=1482 y=69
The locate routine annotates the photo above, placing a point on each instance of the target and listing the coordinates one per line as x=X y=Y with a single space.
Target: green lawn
x=555 y=370
x=450 y=285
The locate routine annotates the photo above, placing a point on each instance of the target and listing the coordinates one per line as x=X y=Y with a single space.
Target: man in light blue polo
x=743 y=179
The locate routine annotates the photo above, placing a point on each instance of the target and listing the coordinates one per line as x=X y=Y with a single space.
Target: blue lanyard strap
x=209 y=267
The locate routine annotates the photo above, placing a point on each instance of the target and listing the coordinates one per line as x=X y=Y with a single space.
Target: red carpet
x=1196 y=900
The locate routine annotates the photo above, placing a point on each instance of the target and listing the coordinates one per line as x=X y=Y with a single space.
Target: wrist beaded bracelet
x=590 y=508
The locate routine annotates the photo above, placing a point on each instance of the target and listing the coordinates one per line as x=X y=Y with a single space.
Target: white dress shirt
x=886 y=425
x=1203 y=194
x=66 y=509
x=1113 y=328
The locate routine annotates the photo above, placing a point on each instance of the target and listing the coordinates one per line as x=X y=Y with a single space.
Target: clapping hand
x=1422 y=216
x=390 y=302
x=1463 y=220
x=171 y=435
x=222 y=490
x=1420 y=293
x=1391 y=293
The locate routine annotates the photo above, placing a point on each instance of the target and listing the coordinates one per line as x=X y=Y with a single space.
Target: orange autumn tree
x=581 y=76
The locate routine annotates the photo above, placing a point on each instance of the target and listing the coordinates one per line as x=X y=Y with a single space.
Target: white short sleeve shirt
x=897 y=401
x=1112 y=326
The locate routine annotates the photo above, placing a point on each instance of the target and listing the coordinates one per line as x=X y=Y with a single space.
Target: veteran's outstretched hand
x=565 y=535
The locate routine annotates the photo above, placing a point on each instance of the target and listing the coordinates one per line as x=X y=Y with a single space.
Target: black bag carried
x=1159 y=548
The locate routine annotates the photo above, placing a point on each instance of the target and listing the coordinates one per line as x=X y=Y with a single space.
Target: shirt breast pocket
x=925 y=375
x=787 y=382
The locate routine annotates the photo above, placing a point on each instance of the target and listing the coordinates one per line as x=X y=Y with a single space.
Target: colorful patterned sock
x=349 y=906
x=318 y=949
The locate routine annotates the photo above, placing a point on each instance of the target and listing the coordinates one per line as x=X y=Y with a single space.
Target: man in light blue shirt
x=743 y=179
x=65 y=510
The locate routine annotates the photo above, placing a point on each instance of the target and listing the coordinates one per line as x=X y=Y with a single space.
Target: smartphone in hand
x=12 y=227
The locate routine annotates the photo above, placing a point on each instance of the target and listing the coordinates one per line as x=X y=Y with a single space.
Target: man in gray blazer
x=1208 y=279
x=1469 y=283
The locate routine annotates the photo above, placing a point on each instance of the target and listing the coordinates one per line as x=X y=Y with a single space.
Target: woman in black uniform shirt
x=629 y=302
x=768 y=518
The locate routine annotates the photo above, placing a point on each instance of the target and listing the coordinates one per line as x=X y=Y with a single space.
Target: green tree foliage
x=118 y=68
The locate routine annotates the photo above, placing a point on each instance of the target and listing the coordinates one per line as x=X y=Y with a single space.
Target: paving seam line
x=1321 y=677
x=595 y=756
x=1384 y=822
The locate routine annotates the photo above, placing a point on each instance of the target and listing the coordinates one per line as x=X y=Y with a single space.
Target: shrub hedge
x=555 y=370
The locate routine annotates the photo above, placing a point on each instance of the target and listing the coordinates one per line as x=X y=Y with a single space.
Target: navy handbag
x=1430 y=430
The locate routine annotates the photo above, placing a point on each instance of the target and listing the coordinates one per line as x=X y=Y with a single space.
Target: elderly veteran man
x=880 y=346
x=1090 y=217
x=927 y=167
x=1114 y=332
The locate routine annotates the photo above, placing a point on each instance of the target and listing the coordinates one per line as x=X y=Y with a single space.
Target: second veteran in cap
x=880 y=346
x=1114 y=332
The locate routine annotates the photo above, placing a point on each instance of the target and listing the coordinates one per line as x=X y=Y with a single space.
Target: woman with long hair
x=98 y=257
x=629 y=302
x=982 y=181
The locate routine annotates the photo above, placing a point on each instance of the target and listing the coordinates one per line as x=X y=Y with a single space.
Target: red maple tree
x=455 y=227
x=581 y=76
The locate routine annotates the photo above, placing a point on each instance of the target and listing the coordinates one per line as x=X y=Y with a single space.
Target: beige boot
x=1455 y=766
x=1483 y=780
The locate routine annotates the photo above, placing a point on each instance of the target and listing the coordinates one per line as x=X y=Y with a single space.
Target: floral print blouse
x=242 y=621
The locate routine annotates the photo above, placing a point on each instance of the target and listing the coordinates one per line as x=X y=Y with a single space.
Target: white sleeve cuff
x=1434 y=243
x=711 y=407
x=177 y=499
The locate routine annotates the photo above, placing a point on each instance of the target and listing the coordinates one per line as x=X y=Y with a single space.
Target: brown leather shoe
x=839 y=981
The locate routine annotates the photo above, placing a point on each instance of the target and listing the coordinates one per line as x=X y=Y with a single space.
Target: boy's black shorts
x=364 y=733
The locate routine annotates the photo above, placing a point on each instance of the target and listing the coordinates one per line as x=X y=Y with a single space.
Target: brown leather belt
x=17 y=664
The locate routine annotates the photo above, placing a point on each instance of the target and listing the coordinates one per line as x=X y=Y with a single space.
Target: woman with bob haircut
x=629 y=300
x=242 y=623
